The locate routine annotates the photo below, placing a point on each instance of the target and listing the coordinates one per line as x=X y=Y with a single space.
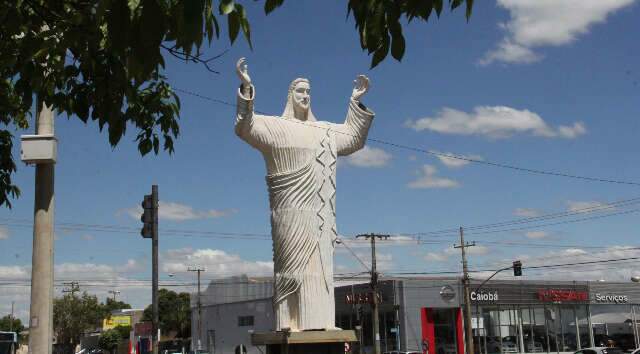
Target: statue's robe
x=301 y=161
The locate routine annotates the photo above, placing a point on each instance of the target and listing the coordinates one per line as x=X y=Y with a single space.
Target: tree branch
x=194 y=58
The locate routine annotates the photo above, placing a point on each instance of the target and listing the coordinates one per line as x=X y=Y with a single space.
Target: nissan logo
x=447 y=293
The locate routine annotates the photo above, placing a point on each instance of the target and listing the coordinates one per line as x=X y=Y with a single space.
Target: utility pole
x=114 y=293
x=374 y=289
x=149 y=220
x=198 y=270
x=11 y=318
x=41 y=308
x=74 y=287
x=467 y=298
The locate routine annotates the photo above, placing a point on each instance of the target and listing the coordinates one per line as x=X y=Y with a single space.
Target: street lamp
x=635 y=279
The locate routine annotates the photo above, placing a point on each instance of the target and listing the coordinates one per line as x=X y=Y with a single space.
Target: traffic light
x=148 y=216
x=517 y=268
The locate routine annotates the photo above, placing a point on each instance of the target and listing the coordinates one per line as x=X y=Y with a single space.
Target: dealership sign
x=361 y=298
x=618 y=299
x=561 y=295
x=489 y=295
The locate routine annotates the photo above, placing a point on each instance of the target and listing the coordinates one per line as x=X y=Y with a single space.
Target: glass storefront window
x=613 y=326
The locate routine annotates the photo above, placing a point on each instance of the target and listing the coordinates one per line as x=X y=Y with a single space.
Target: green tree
x=6 y=324
x=174 y=313
x=110 y=305
x=103 y=60
x=73 y=315
x=109 y=339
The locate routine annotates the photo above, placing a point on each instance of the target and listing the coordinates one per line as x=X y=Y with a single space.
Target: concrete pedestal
x=308 y=342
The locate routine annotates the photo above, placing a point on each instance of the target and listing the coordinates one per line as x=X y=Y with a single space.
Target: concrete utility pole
x=374 y=289
x=41 y=309
x=11 y=318
x=467 y=298
x=74 y=287
x=198 y=270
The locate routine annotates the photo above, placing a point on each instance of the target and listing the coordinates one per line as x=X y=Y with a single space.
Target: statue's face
x=301 y=95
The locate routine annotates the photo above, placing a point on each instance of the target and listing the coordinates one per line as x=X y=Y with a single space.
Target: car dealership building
x=425 y=314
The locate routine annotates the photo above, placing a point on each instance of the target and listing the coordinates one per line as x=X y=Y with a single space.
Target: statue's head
x=301 y=95
x=299 y=101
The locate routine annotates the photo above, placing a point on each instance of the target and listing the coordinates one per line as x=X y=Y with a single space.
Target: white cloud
x=427 y=178
x=369 y=157
x=509 y=52
x=586 y=206
x=447 y=253
x=4 y=233
x=384 y=261
x=436 y=257
x=494 y=122
x=87 y=237
x=537 y=23
x=14 y=272
x=83 y=271
x=536 y=235
x=526 y=212
x=217 y=263
x=178 y=212
x=453 y=162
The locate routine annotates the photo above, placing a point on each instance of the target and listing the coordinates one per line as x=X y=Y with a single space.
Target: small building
x=508 y=316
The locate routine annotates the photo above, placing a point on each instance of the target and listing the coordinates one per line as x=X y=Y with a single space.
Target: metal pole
x=41 y=310
x=467 y=297
x=199 y=343
x=396 y=307
x=199 y=314
x=374 y=304
x=154 y=261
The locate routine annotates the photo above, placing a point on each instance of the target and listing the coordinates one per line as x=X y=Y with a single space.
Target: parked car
x=510 y=344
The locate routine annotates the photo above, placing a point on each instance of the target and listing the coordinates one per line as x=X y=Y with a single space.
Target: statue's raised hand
x=361 y=86
x=243 y=73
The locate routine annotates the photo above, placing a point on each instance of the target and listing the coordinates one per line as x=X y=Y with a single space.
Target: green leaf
x=118 y=20
x=397 y=41
x=244 y=24
x=381 y=52
x=469 y=8
x=271 y=5
x=226 y=7
x=234 y=25
x=437 y=4
x=455 y=3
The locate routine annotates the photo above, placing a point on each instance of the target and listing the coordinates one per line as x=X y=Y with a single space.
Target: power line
x=436 y=153
x=556 y=215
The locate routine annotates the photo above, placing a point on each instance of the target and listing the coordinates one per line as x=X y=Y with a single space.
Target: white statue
x=301 y=153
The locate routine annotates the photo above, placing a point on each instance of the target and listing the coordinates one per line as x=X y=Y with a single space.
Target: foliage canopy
x=104 y=60
x=174 y=313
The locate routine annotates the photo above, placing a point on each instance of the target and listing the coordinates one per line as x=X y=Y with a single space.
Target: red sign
x=559 y=295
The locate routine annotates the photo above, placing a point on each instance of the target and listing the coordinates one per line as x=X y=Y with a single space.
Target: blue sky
x=548 y=87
